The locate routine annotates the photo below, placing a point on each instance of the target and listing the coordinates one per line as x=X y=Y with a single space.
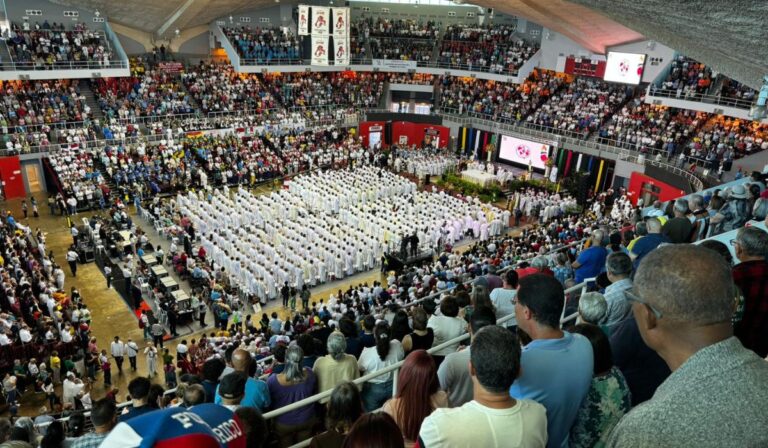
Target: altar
x=482 y=178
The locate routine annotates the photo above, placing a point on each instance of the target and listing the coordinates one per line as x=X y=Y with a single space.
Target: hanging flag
x=340 y=22
x=319 y=50
x=578 y=162
x=341 y=50
x=320 y=17
x=599 y=175
x=303 y=20
x=568 y=163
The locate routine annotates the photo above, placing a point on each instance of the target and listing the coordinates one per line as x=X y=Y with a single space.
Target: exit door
x=34 y=181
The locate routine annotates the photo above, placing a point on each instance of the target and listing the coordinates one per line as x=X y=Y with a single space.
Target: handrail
x=322 y=395
x=700 y=98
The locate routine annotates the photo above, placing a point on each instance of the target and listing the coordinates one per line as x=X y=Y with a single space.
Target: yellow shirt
x=55 y=362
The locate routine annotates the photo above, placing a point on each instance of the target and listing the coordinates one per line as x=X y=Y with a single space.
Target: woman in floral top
x=608 y=398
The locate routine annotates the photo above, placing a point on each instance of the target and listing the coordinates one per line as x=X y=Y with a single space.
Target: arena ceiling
x=728 y=35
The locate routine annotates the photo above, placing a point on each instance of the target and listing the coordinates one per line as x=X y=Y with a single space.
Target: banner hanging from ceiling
x=341 y=51
x=320 y=20
x=319 y=50
x=340 y=22
x=303 y=20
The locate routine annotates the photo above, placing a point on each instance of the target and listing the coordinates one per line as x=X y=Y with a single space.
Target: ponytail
x=382 y=334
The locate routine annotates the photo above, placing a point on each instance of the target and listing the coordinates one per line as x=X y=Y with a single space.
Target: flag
x=319 y=54
x=341 y=50
x=303 y=20
x=340 y=22
x=320 y=17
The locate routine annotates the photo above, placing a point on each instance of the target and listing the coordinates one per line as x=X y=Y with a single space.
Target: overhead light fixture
x=97 y=13
x=231 y=19
x=416 y=4
x=177 y=32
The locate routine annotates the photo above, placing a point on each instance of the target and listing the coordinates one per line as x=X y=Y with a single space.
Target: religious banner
x=303 y=20
x=320 y=17
x=341 y=50
x=340 y=22
x=319 y=50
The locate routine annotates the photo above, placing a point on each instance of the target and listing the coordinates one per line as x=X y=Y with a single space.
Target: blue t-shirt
x=556 y=373
x=256 y=395
x=646 y=244
x=592 y=263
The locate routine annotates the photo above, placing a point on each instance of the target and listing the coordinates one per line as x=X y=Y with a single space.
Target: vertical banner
x=320 y=17
x=303 y=20
x=340 y=22
x=319 y=50
x=341 y=50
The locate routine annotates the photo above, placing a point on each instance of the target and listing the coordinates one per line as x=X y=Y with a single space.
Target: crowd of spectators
x=726 y=138
x=687 y=77
x=406 y=28
x=47 y=46
x=308 y=90
x=153 y=93
x=736 y=90
x=27 y=103
x=493 y=49
x=581 y=107
x=264 y=45
x=404 y=49
x=218 y=88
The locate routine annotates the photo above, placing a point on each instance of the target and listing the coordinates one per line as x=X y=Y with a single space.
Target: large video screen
x=626 y=68
x=524 y=152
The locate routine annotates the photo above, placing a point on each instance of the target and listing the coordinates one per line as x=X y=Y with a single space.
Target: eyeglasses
x=632 y=297
x=735 y=242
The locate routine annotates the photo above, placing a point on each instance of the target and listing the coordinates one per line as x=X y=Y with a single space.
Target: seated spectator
x=418 y=394
x=104 y=418
x=683 y=304
x=618 y=267
x=344 y=409
x=493 y=415
x=422 y=337
x=336 y=367
x=557 y=366
x=138 y=389
x=649 y=242
x=608 y=398
x=751 y=277
x=591 y=262
x=679 y=228
x=592 y=308
x=257 y=394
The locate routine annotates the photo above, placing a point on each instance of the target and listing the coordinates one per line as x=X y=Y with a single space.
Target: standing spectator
x=257 y=393
x=374 y=430
x=751 y=277
x=649 y=242
x=344 y=408
x=618 y=266
x=157 y=333
x=104 y=418
x=71 y=388
x=679 y=228
x=495 y=418
x=446 y=327
x=138 y=388
x=24 y=208
x=117 y=347
x=108 y=275
x=503 y=298
x=55 y=363
x=591 y=262
x=556 y=365
x=418 y=394
x=335 y=367
x=422 y=337
x=131 y=350
x=106 y=368
x=151 y=353
x=683 y=304
x=72 y=259
x=608 y=398
x=734 y=214
x=387 y=351
x=295 y=383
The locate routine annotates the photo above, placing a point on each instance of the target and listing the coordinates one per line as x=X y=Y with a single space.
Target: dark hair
x=720 y=248
x=347 y=327
x=601 y=347
x=383 y=335
x=104 y=410
x=495 y=356
x=307 y=344
x=543 y=295
x=462 y=299
x=138 y=388
x=400 y=325
x=279 y=352
x=419 y=317
x=54 y=435
x=76 y=424
x=212 y=369
x=449 y=306
x=155 y=391
x=512 y=278
x=344 y=407
x=482 y=317
x=254 y=426
x=369 y=322
x=374 y=430
x=416 y=384
x=429 y=306
x=19 y=433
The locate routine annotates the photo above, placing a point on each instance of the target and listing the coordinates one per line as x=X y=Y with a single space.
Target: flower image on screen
x=626 y=68
x=523 y=152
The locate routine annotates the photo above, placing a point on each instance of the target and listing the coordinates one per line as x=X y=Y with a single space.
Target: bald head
x=689 y=285
x=241 y=360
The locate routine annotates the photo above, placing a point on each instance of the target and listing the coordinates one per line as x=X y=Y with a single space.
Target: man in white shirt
x=118 y=351
x=71 y=388
x=24 y=335
x=72 y=258
x=503 y=298
x=131 y=350
x=4 y=339
x=495 y=417
x=181 y=349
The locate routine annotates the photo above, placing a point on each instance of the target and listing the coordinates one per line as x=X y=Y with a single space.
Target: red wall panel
x=666 y=192
x=411 y=133
x=10 y=174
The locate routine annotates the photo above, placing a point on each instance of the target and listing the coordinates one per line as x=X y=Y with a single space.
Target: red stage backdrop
x=404 y=132
x=10 y=174
x=640 y=183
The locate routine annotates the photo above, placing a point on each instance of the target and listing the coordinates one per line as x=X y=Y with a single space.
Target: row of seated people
x=726 y=138
x=399 y=28
x=78 y=177
x=151 y=94
x=357 y=39
x=411 y=78
x=687 y=77
x=47 y=48
x=318 y=89
x=736 y=90
x=218 y=88
x=404 y=49
x=496 y=100
x=493 y=49
x=27 y=103
x=581 y=107
x=264 y=45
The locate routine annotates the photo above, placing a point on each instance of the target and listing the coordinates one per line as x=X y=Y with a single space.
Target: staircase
x=5 y=55
x=92 y=102
x=190 y=99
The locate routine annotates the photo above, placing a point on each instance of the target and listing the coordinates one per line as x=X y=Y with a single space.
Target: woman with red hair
x=418 y=394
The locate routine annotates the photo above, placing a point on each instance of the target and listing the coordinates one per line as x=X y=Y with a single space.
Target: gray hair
x=681 y=206
x=597 y=236
x=618 y=264
x=593 y=307
x=294 y=371
x=539 y=263
x=336 y=345
x=641 y=229
x=687 y=283
x=653 y=225
x=753 y=240
x=696 y=202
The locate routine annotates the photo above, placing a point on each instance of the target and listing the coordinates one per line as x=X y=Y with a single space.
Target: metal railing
x=64 y=65
x=699 y=98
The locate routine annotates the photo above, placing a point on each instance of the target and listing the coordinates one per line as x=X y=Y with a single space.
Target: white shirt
x=71 y=389
x=502 y=300
x=131 y=349
x=25 y=335
x=523 y=425
x=117 y=348
x=370 y=361
x=446 y=328
x=181 y=349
